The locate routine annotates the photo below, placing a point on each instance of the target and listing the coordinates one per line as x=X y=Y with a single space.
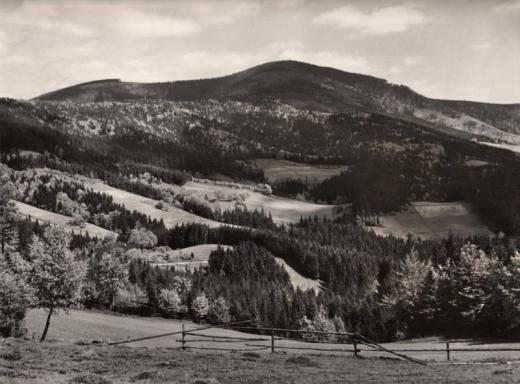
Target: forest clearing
x=282 y=210
x=279 y=169
x=430 y=220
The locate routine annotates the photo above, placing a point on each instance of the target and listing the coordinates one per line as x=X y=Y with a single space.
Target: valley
x=312 y=191
x=259 y=191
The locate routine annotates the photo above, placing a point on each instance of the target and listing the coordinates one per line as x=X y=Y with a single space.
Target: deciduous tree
x=54 y=273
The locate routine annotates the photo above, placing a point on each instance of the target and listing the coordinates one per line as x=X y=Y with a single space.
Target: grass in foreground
x=28 y=362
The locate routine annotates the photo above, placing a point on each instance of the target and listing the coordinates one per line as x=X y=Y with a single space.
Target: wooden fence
x=259 y=339
x=279 y=339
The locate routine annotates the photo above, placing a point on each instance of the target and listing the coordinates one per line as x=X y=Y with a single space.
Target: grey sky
x=459 y=49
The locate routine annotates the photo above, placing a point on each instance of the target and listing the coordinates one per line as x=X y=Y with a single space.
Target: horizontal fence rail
x=191 y=339
x=276 y=339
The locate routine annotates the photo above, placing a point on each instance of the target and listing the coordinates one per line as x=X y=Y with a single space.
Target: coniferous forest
x=384 y=287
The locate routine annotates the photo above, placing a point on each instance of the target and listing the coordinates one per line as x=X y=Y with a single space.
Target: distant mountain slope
x=310 y=87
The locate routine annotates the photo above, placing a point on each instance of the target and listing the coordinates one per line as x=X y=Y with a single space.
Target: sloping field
x=61 y=220
x=297 y=280
x=432 y=220
x=511 y=147
x=174 y=216
x=224 y=197
x=199 y=252
x=276 y=170
x=201 y=256
x=90 y=326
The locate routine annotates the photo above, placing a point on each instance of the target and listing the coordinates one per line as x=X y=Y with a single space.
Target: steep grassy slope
x=172 y=217
x=62 y=221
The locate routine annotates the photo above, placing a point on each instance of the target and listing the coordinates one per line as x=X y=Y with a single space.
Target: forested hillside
x=310 y=87
x=195 y=149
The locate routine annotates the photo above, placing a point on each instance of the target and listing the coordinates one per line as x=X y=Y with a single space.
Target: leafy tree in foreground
x=54 y=273
x=8 y=232
x=409 y=284
x=15 y=298
x=106 y=273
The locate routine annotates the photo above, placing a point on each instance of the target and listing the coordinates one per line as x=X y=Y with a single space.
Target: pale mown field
x=276 y=169
x=133 y=202
x=432 y=220
x=510 y=147
x=222 y=197
x=61 y=220
x=297 y=280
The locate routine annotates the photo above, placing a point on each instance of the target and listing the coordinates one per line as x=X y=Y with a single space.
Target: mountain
x=310 y=87
x=397 y=145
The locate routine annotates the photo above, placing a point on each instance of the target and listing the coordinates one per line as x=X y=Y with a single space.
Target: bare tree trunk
x=47 y=323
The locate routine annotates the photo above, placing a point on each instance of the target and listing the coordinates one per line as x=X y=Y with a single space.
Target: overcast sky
x=457 y=49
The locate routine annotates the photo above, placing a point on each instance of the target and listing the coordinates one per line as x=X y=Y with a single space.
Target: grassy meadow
x=28 y=362
x=278 y=169
x=430 y=220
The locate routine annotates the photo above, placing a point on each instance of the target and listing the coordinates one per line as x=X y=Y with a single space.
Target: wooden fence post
x=355 y=350
x=183 y=339
x=448 y=350
x=272 y=340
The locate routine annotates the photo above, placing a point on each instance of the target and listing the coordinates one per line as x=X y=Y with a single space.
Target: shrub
x=89 y=379
x=170 y=301
x=142 y=238
x=130 y=299
x=301 y=360
x=200 y=307
x=218 y=312
x=13 y=355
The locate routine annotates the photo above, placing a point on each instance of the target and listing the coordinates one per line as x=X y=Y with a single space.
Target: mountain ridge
x=311 y=87
x=269 y=66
